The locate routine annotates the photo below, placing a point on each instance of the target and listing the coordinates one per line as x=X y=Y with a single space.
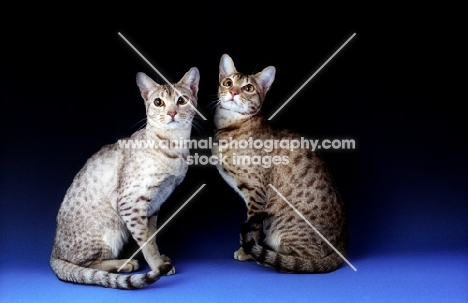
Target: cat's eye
x=182 y=100
x=248 y=88
x=227 y=82
x=158 y=102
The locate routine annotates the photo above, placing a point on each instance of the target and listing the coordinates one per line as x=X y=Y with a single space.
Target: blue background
x=68 y=87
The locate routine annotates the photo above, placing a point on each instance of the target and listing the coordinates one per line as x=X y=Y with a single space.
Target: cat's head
x=170 y=107
x=240 y=93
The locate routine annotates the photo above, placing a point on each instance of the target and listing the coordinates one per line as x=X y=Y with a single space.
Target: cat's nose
x=172 y=114
x=233 y=93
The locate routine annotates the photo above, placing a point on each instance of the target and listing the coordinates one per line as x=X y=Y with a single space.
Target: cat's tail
x=253 y=246
x=69 y=272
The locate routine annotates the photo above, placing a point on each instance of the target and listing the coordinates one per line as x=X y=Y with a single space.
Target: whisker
x=142 y=126
x=196 y=126
x=212 y=105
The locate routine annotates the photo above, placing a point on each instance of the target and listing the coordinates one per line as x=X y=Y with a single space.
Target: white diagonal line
x=305 y=83
x=161 y=75
x=313 y=227
x=156 y=232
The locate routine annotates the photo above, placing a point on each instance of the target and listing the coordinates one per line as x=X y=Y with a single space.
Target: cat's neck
x=225 y=120
x=171 y=140
x=167 y=134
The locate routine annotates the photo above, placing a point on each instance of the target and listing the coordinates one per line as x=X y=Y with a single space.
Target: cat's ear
x=226 y=67
x=191 y=79
x=146 y=84
x=265 y=78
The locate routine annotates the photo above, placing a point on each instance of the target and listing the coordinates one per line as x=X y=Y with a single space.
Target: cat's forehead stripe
x=241 y=78
x=167 y=91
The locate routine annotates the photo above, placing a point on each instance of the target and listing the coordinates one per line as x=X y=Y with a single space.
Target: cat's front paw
x=171 y=272
x=166 y=269
x=241 y=255
x=167 y=260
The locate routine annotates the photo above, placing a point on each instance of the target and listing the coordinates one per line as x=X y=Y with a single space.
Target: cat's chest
x=230 y=179
x=150 y=173
x=161 y=162
x=225 y=167
x=151 y=178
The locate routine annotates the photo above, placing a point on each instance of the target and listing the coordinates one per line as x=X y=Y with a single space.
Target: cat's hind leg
x=115 y=265
x=109 y=252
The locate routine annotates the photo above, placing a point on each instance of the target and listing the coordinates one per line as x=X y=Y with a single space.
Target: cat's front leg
x=148 y=245
x=142 y=229
x=251 y=231
x=256 y=214
x=241 y=255
x=152 y=225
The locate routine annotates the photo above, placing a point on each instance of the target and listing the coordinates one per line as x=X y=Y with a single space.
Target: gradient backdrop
x=68 y=87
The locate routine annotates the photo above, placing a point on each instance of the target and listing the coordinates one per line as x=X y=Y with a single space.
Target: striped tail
x=70 y=272
x=252 y=234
